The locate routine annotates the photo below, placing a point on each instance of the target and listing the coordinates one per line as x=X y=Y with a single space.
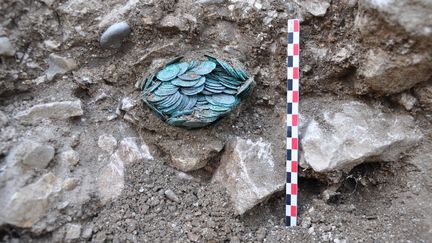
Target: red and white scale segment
x=293 y=63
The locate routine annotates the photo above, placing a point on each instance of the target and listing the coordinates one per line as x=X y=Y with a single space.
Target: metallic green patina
x=196 y=93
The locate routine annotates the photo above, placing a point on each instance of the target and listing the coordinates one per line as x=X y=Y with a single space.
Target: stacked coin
x=196 y=93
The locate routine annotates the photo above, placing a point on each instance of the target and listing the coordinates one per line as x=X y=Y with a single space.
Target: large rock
x=415 y=16
x=30 y=203
x=249 y=172
x=53 y=110
x=342 y=134
x=110 y=182
x=31 y=154
x=389 y=74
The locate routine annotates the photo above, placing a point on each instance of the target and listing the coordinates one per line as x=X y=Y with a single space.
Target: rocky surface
x=82 y=159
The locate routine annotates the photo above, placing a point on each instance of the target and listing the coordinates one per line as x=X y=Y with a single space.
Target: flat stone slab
x=249 y=172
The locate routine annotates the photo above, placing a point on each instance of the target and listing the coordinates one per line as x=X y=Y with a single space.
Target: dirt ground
x=375 y=202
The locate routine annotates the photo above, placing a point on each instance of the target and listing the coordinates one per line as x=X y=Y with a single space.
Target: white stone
x=107 y=142
x=52 y=45
x=73 y=231
x=127 y=104
x=249 y=172
x=30 y=203
x=87 y=232
x=407 y=101
x=59 y=65
x=343 y=134
x=129 y=151
x=315 y=7
x=53 y=110
x=110 y=181
x=31 y=154
x=6 y=48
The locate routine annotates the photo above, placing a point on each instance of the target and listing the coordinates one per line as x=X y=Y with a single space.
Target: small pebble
x=127 y=104
x=114 y=35
x=171 y=196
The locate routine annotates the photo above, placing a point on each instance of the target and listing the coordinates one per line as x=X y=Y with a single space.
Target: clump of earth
x=82 y=158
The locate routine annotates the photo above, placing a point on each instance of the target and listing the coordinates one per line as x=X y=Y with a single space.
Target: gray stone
x=59 y=65
x=174 y=23
x=249 y=172
x=87 y=232
x=31 y=154
x=30 y=203
x=343 y=133
x=107 y=142
x=189 y=157
x=69 y=157
x=73 y=231
x=389 y=74
x=53 y=110
x=3 y=119
x=415 y=16
x=114 y=35
x=6 y=48
x=315 y=7
x=172 y=196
